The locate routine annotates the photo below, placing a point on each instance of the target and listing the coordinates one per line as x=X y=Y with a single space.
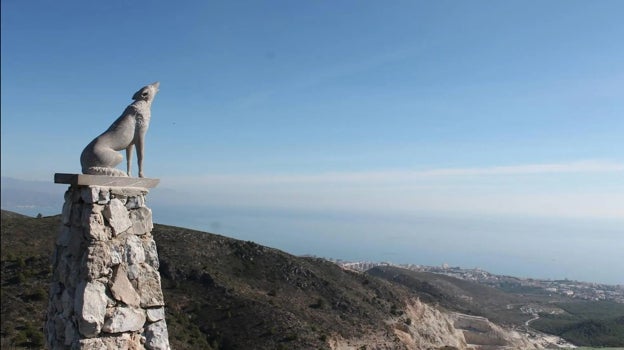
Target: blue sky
x=475 y=109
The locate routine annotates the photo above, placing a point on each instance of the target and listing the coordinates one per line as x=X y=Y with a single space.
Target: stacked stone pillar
x=106 y=291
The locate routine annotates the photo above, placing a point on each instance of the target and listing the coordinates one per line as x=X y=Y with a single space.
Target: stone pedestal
x=105 y=291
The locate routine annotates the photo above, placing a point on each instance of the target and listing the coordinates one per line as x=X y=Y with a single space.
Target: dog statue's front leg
x=140 y=148
x=129 y=150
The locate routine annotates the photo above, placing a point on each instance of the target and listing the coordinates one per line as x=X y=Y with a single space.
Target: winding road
x=528 y=323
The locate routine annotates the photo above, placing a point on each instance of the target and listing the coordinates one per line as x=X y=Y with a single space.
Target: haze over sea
x=474 y=133
x=535 y=248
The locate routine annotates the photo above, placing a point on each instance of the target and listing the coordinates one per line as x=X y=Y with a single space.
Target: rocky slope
x=223 y=293
x=473 y=307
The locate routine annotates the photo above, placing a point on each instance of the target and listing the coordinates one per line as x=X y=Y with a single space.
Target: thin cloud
x=514 y=190
x=401 y=176
x=336 y=71
x=573 y=167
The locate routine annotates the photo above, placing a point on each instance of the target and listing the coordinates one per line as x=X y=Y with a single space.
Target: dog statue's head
x=146 y=93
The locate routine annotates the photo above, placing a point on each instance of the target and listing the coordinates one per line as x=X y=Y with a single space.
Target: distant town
x=565 y=287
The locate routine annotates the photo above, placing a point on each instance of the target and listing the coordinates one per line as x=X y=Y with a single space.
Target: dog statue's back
x=101 y=156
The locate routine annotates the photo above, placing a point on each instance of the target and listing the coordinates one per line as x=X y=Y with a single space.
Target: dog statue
x=101 y=156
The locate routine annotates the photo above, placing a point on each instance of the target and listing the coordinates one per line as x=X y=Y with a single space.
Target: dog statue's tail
x=100 y=170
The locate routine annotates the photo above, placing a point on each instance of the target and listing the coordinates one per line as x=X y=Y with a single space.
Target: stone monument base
x=105 y=291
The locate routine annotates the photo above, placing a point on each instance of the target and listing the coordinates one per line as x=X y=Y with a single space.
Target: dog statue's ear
x=137 y=95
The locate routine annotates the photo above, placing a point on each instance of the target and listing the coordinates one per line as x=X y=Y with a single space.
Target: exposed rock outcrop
x=422 y=326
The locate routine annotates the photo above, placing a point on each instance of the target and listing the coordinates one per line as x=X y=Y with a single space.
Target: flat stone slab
x=102 y=180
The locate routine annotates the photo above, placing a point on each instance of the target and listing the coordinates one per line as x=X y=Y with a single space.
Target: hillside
x=594 y=324
x=223 y=293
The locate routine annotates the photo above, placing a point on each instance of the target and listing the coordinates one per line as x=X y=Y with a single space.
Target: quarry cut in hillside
x=425 y=327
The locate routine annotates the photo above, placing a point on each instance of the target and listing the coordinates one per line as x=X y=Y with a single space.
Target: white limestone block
x=141 y=220
x=151 y=254
x=135 y=190
x=157 y=336
x=118 y=253
x=95 y=228
x=134 y=202
x=133 y=272
x=121 y=341
x=98 y=261
x=156 y=314
x=124 y=319
x=90 y=304
x=90 y=194
x=148 y=283
x=135 y=254
x=117 y=215
x=95 y=194
x=122 y=289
